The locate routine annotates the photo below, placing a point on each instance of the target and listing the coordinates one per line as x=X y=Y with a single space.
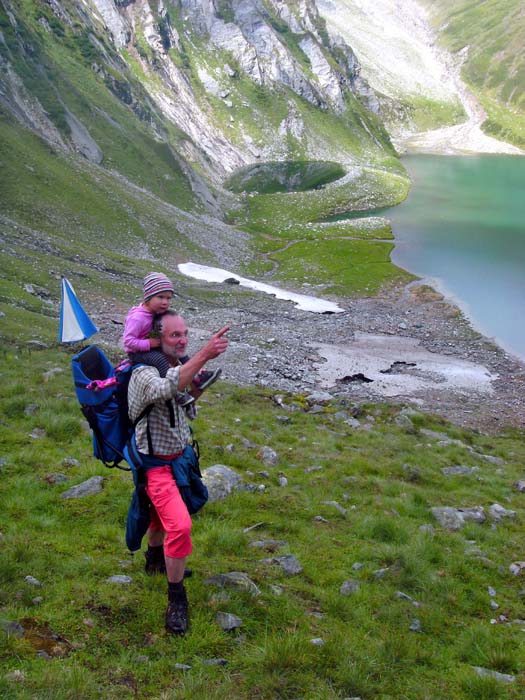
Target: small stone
x=51 y=373
x=404 y=596
x=37 y=433
x=119 y=578
x=234 y=579
x=415 y=625
x=86 y=488
x=68 y=462
x=459 y=470
x=182 y=667
x=309 y=470
x=268 y=456
x=56 y=478
x=12 y=628
x=517 y=567
x=498 y=513
x=227 y=621
x=349 y=587
x=16 y=675
x=32 y=581
x=488 y=673
x=317 y=641
x=380 y=573
x=288 y=564
x=336 y=505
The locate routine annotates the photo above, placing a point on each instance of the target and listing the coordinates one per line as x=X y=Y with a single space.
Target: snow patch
x=301 y=301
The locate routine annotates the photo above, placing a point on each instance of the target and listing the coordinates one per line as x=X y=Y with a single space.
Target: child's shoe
x=205 y=378
x=184 y=399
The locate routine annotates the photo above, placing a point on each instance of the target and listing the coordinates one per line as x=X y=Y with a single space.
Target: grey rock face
x=234 y=579
x=349 y=587
x=488 y=673
x=288 y=564
x=459 y=470
x=227 y=621
x=82 y=140
x=268 y=456
x=455 y=518
x=86 y=488
x=115 y=22
x=499 y=513
x=221 y=481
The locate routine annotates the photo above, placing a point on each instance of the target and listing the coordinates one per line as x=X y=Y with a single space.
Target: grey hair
x=157 y=321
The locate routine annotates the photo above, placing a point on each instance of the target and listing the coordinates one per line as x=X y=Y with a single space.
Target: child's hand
x=154 y=343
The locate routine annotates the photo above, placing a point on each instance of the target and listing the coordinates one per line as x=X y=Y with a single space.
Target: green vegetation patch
x=364 y=189
x=398 y=606
x=340 y=266
x=348 y=256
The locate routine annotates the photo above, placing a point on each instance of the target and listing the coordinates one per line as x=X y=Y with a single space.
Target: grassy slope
x=107 y=640
x=113 y=107
x=494 y=31
x=348 y=258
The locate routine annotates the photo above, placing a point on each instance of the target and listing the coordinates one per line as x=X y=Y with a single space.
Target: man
x=161 y=436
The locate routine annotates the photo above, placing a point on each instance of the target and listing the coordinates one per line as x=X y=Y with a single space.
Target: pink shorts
x=169 y=512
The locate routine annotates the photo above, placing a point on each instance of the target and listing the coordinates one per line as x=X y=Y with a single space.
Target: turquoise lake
x=463 y=226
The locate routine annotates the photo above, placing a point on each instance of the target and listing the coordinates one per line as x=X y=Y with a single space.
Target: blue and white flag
x=75 y=324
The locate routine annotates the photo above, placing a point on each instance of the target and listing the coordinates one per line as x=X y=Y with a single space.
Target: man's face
x=174 y=338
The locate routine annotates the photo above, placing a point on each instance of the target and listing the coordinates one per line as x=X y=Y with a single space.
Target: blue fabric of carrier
x=100 y=408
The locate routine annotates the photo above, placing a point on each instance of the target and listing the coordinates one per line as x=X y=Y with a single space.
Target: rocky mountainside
x=119 y=124
x=221 y=84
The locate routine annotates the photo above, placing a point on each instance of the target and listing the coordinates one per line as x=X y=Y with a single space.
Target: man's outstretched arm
x=215 y=346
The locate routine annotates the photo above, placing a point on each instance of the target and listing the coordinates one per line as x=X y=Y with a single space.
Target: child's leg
x=158 y=359
x=155 y=358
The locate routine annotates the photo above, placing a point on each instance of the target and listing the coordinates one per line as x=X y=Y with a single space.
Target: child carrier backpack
x=102 y=391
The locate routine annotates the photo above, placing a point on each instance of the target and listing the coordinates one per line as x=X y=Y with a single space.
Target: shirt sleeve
x=135 y=331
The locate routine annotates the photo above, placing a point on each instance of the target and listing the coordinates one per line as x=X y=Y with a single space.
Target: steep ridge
x=231 y=85
x=417 y=80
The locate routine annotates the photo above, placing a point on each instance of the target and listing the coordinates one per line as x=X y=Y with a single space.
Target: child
x=142 y=348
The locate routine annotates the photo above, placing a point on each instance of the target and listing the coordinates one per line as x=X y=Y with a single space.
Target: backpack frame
x=102 y=391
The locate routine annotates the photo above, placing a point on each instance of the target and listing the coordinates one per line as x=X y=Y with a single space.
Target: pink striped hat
x=155 y=283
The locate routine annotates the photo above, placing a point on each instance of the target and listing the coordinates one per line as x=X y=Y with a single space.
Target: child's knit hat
x=155 y=283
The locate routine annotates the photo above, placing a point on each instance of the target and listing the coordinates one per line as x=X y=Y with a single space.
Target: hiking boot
x=184 y=399
x=205 y=378
x=177 y=618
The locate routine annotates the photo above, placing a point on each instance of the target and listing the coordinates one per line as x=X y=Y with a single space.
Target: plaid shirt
x=147 y=387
